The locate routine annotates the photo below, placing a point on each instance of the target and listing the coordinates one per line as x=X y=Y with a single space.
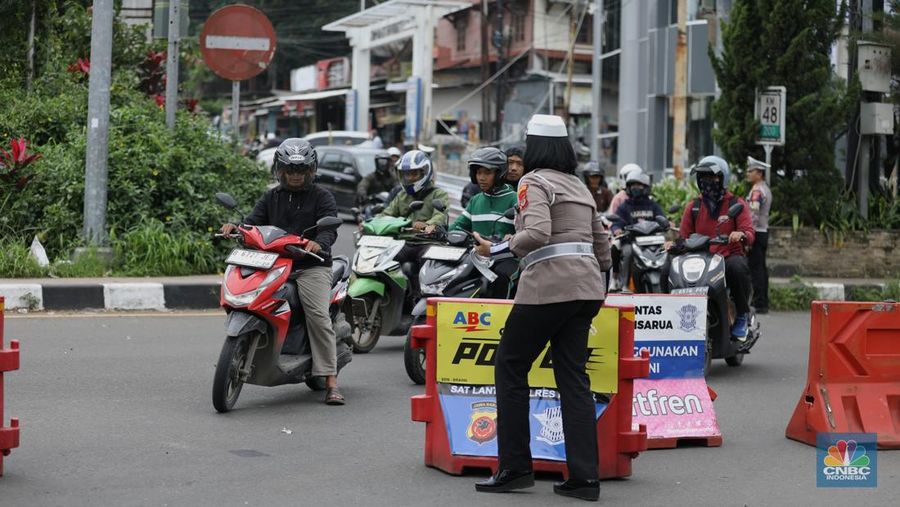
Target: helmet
x=295 y=154
x=712 y=165
x=627 y=168
x=382 y=164
x=413 y=161
x=393 y=151
x=641 y=178
x=491 y=158
x=592 y=168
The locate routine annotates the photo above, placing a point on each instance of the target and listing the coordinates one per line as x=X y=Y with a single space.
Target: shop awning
x=314 y=95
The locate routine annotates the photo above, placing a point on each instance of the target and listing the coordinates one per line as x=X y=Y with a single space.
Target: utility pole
x=570 y=68
x=98 y=123
x=597 y=80
x=852 y=132
x=172 y=62
x=29 y=72
x=679 y=98
x=486 y=130
x=498 y=44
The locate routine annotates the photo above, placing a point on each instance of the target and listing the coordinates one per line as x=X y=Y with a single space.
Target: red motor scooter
x=266 y=340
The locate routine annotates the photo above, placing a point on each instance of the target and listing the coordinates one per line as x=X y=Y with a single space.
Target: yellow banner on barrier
x=468 y=335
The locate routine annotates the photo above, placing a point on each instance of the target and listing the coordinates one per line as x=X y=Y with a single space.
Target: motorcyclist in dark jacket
x=383 y=179
x=294 y=206
x=636 y=208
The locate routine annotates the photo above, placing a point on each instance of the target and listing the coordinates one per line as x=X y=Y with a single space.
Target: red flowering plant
x=81 y=68
x=14 y=163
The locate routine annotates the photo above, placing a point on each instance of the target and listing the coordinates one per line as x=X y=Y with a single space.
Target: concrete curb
x=75 y=295
x=111 y=296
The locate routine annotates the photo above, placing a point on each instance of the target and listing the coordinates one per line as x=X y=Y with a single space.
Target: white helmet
x=413 y=161
x=393 y=151
x=628 y=168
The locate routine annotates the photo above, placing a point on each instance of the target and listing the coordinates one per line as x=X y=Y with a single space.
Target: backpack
x=695 y=210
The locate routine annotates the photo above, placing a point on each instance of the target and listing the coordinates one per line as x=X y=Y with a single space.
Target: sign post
x=413 y=109
x=237 y=43
x=771 y=110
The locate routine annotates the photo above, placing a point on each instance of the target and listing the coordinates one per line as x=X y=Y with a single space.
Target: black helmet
x=592 y=168
x=296 y=155
x=383 y=164
x=491 y=158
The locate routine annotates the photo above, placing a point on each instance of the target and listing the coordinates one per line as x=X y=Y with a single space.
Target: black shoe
x=762 y=311
x=506 y=480
x=585 y=490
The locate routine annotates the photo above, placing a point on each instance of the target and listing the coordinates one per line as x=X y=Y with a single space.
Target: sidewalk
x=202 y=292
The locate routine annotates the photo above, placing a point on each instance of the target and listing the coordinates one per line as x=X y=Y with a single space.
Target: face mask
x=636 y=193
x=711 y=190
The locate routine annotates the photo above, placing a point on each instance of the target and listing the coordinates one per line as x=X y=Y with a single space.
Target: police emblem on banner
x=551 y=426
x=483 y=426
x=688 y=315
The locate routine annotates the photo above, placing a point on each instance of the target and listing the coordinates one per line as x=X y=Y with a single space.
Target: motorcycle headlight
x=692 y=268
x=245 y=298
x=437 y=287
x=714 y=263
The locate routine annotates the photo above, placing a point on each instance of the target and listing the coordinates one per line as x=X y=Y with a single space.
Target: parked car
x=341 y=168
x=337 y=138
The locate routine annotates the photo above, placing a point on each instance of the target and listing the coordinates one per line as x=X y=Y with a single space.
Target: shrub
x=15 y=261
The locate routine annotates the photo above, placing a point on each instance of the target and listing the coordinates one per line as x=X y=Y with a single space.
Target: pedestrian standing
x=760 y=201
x=564 y=250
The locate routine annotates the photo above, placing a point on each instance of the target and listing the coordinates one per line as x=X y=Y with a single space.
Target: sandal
x=333 y=396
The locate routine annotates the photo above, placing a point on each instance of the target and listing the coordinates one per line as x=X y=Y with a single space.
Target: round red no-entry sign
x=237 y=42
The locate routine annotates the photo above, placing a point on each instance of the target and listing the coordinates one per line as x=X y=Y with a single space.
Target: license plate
x=650 y=240
x=375 y=241
x=444 y=253
x=251 y=258
x=691 y=290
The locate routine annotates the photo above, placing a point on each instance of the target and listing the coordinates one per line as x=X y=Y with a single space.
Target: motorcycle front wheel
x=365 y=337
x=414 y=359
x=227 y=382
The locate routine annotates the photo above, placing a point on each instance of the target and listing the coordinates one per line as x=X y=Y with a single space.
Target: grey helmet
x=637 y=177
x=295 y=154
x=712 y=165
x=491 y=158
x=592 y=168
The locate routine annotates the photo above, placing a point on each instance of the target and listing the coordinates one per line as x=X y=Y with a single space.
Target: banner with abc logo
x=468 y=335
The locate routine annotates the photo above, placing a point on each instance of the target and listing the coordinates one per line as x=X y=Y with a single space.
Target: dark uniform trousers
x=528 y=329
x=758 y=270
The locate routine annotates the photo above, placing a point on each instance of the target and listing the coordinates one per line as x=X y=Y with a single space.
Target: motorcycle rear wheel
x=414 y=359
x=227 y=383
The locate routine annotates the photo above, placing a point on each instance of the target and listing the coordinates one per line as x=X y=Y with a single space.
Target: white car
x=338 y=138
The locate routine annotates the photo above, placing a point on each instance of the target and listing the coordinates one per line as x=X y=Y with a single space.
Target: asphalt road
x=116 y=410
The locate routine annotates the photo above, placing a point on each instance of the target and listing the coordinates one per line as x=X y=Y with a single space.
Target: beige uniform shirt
x=555 y=207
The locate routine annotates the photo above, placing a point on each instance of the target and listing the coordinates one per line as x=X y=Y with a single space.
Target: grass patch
x=16 y=262
x=792 y=297
x=890 y=291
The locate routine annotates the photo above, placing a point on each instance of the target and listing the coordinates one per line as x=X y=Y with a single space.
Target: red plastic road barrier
x=617 y=443
x=853 y=383
x=9 y=361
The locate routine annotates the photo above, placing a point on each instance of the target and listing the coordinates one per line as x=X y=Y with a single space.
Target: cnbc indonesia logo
x=846 y=461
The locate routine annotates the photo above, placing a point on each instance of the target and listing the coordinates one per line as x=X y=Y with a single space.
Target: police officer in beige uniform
x=565 y=251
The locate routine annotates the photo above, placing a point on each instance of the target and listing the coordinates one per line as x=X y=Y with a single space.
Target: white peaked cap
x=752 y=163
x=546 y=125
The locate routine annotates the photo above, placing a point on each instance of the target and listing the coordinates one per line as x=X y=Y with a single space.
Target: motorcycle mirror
x=378 y=208
x=354 y=211
x=510 y=213
x=383 y=196
x=226 y=200
x=416 y=205
x=662 y=221
x=328 y=223
x=674 y=208
x=613 y=217
x=735 y=210
x=439 y=205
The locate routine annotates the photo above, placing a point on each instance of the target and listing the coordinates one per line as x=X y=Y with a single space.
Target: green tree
x=786 y=43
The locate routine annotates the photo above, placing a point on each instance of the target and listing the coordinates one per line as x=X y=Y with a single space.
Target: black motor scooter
x=648 y=255
x=452 y=270
x=697 y=271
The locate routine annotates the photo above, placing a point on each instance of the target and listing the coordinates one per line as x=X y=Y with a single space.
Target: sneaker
x=739 y=329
